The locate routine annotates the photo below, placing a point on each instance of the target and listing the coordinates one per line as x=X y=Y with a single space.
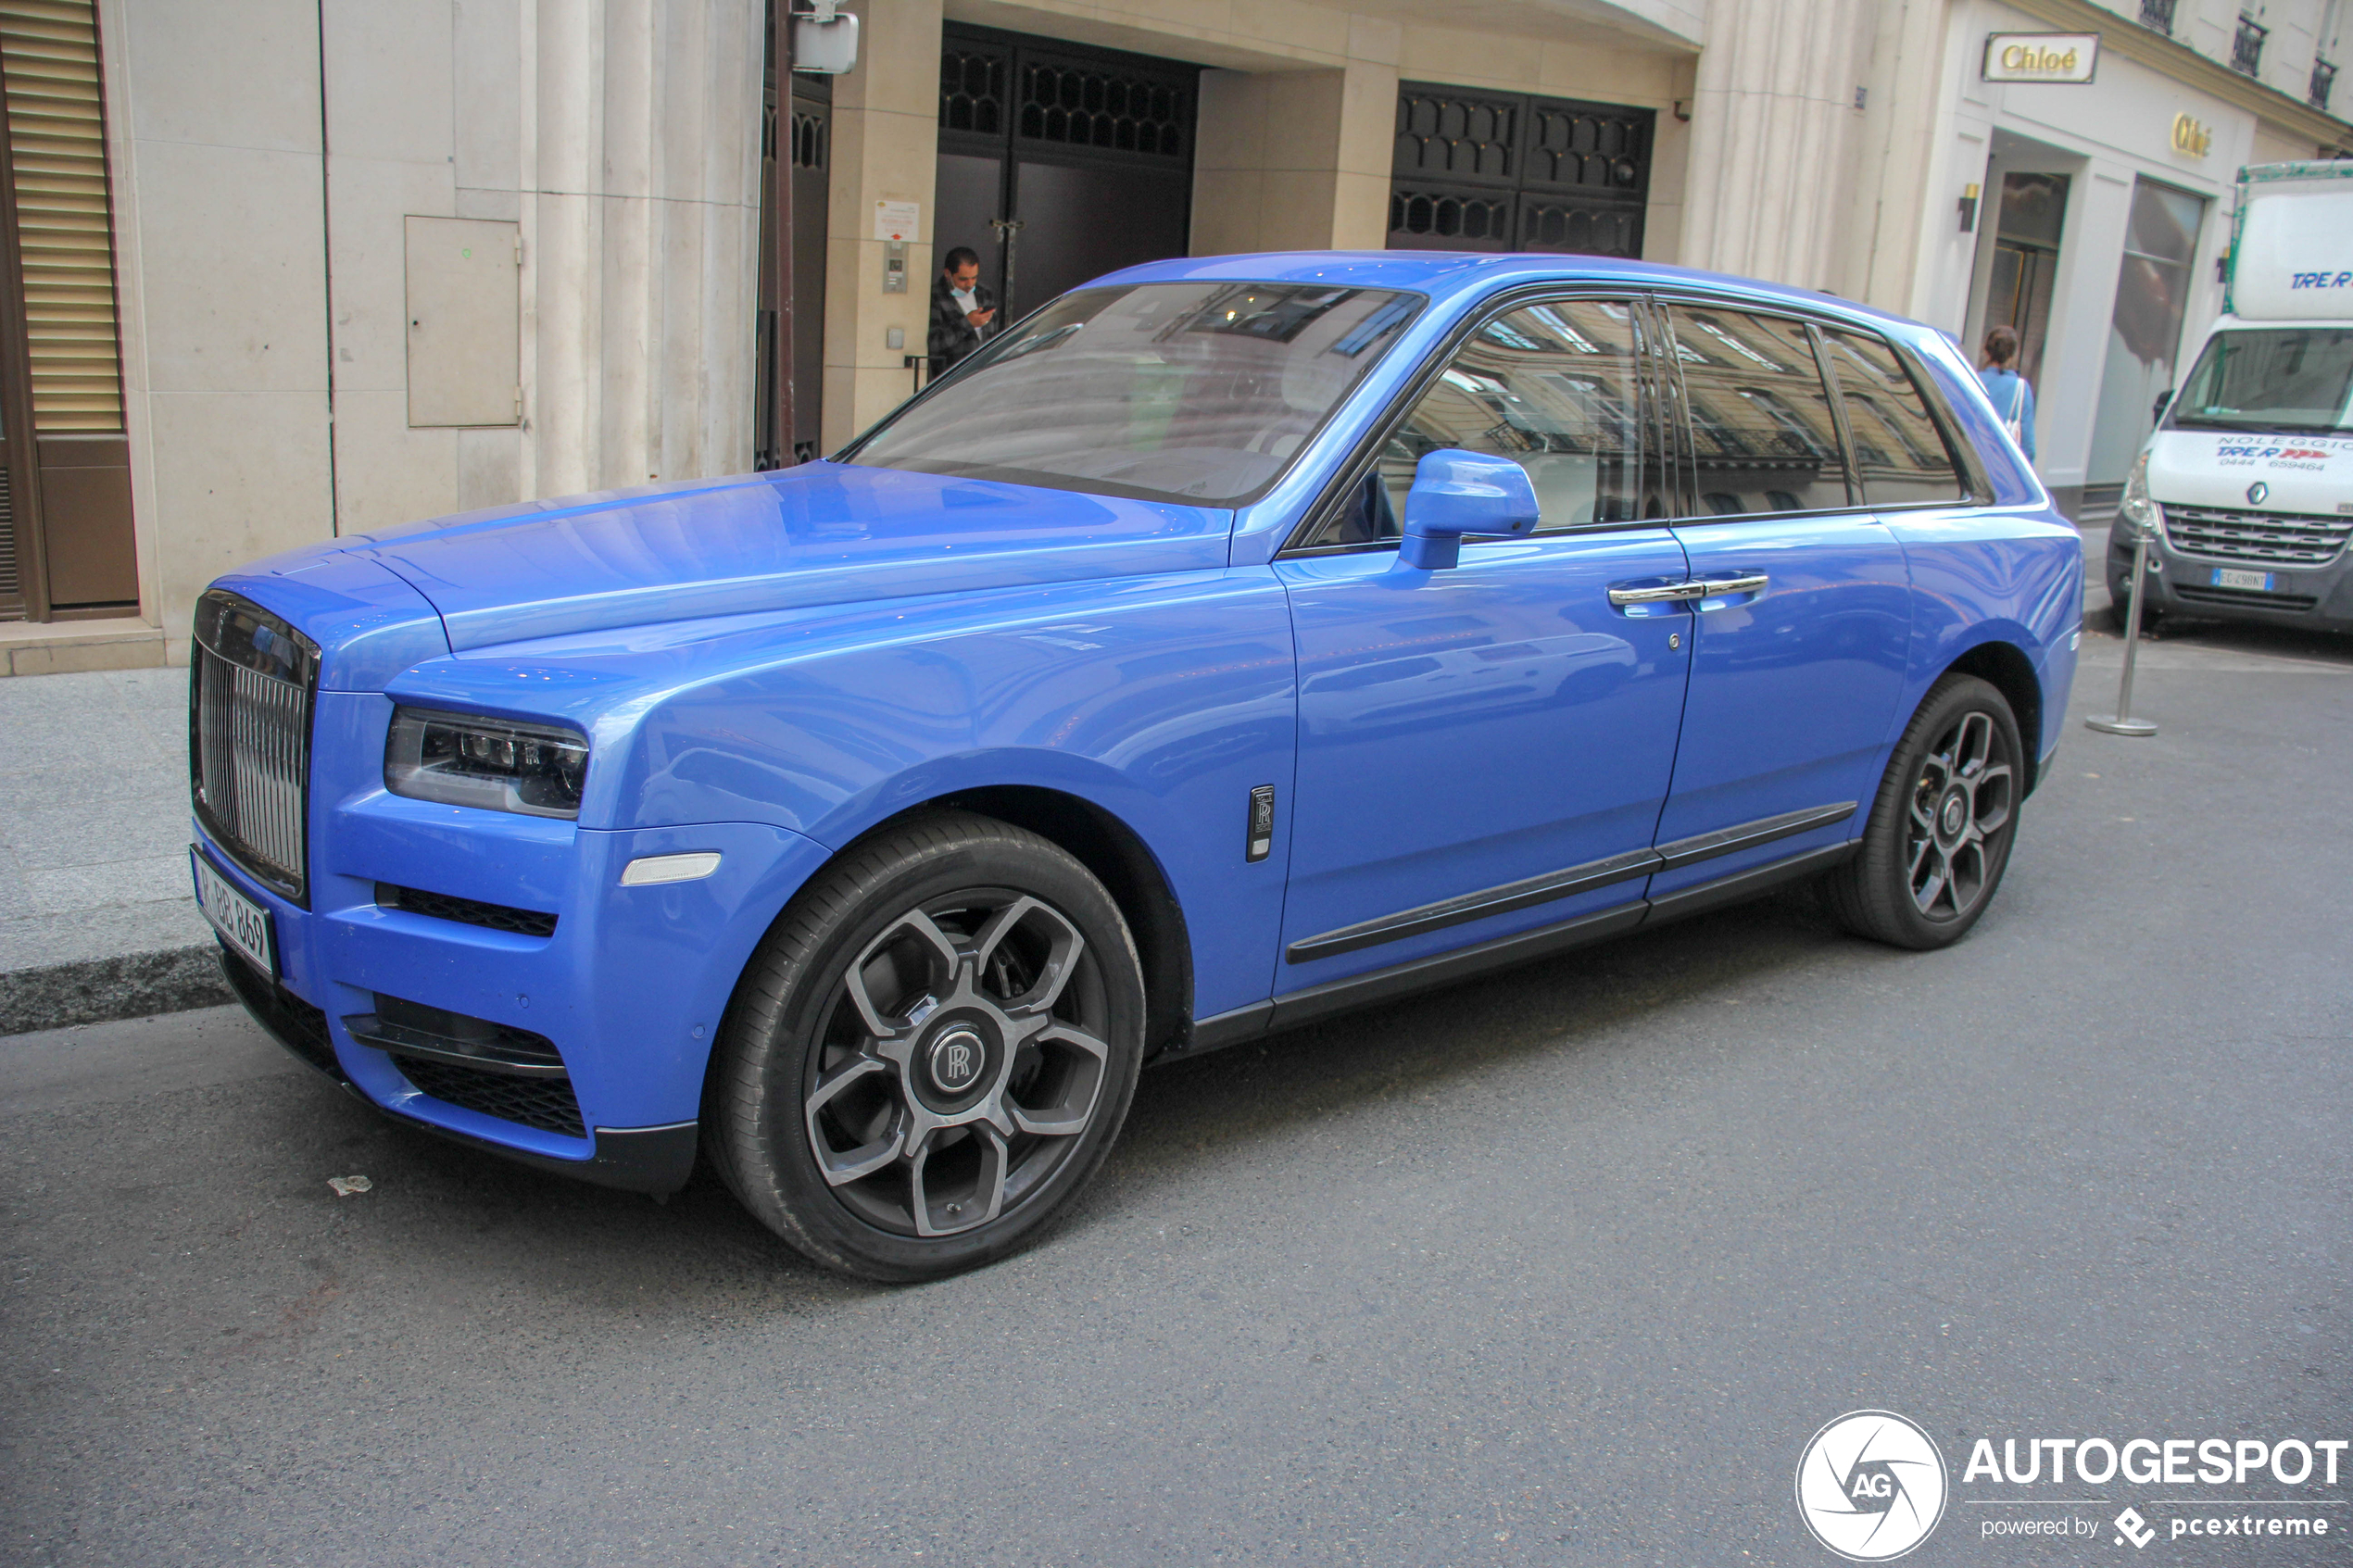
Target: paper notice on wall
x=897 y=221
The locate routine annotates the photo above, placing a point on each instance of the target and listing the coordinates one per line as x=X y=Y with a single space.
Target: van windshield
x=2291 y=379
x=1198 y=392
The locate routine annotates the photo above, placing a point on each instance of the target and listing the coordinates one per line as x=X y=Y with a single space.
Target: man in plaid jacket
x=963 y=313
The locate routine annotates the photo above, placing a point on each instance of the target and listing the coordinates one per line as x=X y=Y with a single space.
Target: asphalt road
x=1562 y=1267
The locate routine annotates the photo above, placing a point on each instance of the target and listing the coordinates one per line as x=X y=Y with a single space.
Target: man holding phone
x=963 y=313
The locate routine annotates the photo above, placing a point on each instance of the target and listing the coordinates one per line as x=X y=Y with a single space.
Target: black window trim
x=1353 y=472
x=1979 y=493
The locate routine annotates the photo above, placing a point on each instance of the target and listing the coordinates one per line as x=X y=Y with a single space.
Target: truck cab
x=2244 y=491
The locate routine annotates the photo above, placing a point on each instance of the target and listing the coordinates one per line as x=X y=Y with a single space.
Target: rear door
x=1800 y=641
x=1483 y=750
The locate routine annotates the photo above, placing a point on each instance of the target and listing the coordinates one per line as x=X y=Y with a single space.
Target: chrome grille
x=2266 y=538
x=251 y=679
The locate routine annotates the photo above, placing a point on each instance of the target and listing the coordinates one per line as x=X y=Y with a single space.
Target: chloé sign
x=2041 y=56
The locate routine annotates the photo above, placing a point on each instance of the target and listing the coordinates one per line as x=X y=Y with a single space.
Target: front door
x=1484 y=750
x=1059 y=163
x=1800 y=650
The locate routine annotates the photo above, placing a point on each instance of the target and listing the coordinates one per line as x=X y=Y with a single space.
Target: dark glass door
x=2026 y=249
x=1060 y=163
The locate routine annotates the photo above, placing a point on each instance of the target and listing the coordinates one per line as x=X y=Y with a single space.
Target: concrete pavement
x=96 y=917
x=1562 y=1267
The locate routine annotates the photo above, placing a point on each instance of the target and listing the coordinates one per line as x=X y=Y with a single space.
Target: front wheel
x=931 y=1052
x=1939 y=830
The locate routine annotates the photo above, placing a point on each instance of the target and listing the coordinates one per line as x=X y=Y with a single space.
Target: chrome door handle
x=1753 y=583
x=1665 y=594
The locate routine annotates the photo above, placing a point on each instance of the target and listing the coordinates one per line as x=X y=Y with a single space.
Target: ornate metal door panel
x=1059 y=163
x=1500 y=171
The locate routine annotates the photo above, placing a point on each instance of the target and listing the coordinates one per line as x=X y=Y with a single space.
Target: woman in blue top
x=2013 y=398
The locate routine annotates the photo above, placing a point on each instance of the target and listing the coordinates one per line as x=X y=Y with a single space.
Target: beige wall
x=624 y=141
x=886 y=148
x=221 y=249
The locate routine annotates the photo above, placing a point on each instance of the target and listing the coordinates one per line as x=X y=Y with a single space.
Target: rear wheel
x=1939 y=830
x=931 y=1053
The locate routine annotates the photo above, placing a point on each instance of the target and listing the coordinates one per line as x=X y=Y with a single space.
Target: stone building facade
x=280 y=269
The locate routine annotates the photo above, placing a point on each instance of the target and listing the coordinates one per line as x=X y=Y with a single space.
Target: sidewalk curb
x=100 y=990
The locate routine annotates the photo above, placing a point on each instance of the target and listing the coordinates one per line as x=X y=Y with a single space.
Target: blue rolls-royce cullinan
x=1231 y=642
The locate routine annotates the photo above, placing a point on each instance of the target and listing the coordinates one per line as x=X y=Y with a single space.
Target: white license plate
x=2259 y=581
x=243 y=923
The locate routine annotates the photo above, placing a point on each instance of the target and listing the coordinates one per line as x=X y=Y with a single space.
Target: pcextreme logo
x=1870 y=1486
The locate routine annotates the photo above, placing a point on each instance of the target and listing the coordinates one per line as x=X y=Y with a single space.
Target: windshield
x=1198 y=392
x=2293 y=379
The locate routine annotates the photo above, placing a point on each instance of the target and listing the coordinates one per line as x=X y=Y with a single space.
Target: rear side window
x=1763 y=436
x=1899 y=452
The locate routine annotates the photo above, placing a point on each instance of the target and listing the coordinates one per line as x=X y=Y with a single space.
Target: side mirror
x=2157 y=414
x=1457 y=494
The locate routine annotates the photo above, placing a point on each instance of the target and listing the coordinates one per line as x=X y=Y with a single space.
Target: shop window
x=2153 y=287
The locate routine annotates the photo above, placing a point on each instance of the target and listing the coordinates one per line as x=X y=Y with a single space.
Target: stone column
x=1773 y=139
x=886 y=148
x=639 y=199
x=1294 y=160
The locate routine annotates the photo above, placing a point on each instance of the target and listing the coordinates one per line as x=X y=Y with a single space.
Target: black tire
x=977 y=945
x=1941 y=829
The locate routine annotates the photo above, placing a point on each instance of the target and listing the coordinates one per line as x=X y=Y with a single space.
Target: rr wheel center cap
x=955 y=1060
x=1952 y=816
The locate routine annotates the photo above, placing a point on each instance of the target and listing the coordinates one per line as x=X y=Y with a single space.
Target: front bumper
x=630 y=985
x=2320 y=598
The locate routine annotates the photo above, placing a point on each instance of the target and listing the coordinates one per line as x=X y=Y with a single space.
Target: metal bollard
x=2121 y=722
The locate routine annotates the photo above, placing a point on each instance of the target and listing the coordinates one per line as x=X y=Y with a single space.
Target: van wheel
x=931 y=1052
x=1940 y=832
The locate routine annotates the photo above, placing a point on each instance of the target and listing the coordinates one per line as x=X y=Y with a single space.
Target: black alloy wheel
x=931 y=1052
x=1941 y=829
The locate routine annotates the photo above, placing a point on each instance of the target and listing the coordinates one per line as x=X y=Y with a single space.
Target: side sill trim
x=1748 y=835
x=1501 y=900
x=1296 y=1008
x=1514 y=896
x=1748 y=884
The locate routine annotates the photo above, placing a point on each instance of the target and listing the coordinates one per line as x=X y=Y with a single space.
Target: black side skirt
x=1360 y=990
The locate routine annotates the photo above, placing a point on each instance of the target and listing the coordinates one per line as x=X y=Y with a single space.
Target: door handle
x=1668 y=593
x=1717 y=587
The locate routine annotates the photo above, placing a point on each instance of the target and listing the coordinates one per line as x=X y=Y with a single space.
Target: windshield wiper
x=2279 y=427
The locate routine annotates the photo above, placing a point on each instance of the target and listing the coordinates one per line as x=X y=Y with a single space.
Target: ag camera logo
x=1870 y=1486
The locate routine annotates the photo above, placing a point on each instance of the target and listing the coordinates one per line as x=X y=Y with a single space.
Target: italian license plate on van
x=243 y=923
x=2257 y=582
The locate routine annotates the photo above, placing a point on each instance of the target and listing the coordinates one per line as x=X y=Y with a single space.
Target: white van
x=2246 y=488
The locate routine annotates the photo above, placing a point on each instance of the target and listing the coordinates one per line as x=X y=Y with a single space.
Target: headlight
x=2136 y=515
x=460 y=759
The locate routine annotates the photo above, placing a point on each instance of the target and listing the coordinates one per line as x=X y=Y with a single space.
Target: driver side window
x=1554 y=387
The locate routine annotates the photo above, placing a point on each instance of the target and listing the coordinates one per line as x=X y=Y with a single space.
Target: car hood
x=2311 y=474
x=820 y=534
